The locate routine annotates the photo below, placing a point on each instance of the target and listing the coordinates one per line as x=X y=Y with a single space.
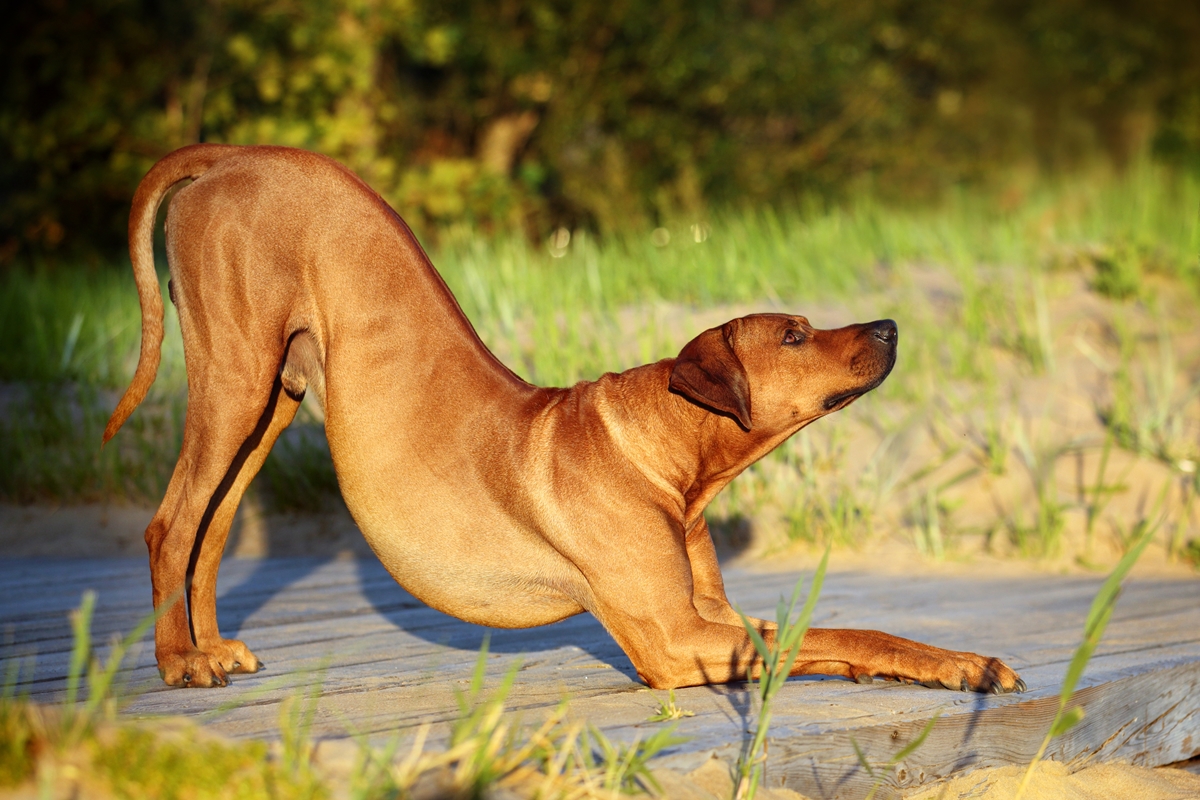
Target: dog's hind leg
x=235 y=409
x=231 y=654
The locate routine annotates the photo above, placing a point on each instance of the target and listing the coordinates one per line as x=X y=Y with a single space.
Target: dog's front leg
x=708 y=587
x=667 y=609
x=669 y=615
x=865 y=655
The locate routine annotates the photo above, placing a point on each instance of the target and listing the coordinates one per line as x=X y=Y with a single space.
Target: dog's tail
x=188 y=162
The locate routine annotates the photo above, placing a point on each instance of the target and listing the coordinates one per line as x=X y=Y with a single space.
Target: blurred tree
x=510 y=115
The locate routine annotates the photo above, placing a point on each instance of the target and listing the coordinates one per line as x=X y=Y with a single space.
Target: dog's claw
x=237 y=664
x=962 y=686
x=187 y=677
x=863 y=678
x=1020 y=686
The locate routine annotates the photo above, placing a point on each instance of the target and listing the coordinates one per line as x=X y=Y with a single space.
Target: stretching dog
x=501 y=503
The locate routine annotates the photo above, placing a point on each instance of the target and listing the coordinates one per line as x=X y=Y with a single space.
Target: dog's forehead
x=773 y=322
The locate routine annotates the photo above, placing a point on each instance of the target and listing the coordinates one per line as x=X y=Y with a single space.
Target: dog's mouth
x=836 y=402
x=840 y=401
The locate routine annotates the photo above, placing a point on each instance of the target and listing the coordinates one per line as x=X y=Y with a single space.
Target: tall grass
x=775 y=665
x=84 y=326
x=1105 y=601
x=578 y=306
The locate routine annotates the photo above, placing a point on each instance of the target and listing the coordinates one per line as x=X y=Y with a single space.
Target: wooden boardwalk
x=387 y=663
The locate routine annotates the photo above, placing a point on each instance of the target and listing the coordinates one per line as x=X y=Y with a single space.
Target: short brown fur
x=499 y=502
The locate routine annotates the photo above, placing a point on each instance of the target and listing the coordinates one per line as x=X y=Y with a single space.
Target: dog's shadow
x=269 y=578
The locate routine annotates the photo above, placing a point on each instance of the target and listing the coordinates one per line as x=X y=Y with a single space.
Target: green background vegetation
x=512 y=116
x=591 y=177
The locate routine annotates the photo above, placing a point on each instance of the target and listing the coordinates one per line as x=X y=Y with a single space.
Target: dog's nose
x=885 y=331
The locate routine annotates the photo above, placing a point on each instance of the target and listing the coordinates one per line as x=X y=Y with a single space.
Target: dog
x=490 y=499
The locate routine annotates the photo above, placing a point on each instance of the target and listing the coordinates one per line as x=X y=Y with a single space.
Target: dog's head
x=772 y=372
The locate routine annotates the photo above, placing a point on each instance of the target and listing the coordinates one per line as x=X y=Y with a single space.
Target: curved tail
x=185 y=163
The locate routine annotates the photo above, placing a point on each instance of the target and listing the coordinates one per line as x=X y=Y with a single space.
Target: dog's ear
x=709 y=372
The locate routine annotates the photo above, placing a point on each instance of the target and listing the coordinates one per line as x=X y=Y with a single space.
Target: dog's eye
x=794 y=337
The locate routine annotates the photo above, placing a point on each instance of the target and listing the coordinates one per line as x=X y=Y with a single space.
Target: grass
x=929 y=511
x=1068 y=716
x=1041 y=532
x=977 y=286
x=82 y=747
x=776 y=664
x=668 y=710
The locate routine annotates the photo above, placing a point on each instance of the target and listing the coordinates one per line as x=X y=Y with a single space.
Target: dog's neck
x=688 y=451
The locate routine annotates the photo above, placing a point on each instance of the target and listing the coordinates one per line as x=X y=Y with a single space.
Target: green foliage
x=1039 y=535
x=818 y=518
x=50 y=446
x=668 y=710
x=1191 y=552
x=80 y=718
x=298 y=474
x=1148 y=411
x=1118 y=273
x=625 y=768
x=776 y=663
x=930 y=540
x=129 y=761
x=17 y=729
x=609 y=116
x=485 y=748
x=562 y=313
x=143 y=763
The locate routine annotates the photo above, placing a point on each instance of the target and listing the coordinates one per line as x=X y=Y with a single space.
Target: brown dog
x=499 y=502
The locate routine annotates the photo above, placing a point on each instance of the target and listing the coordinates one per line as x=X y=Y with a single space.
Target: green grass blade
x=81 y=627
x=100 y=680
x=912 y=746
x=1099 y=615
x=795 y=634
x=1097 y=620
x=862 y=757
x=1067 y=720
x=761 y=646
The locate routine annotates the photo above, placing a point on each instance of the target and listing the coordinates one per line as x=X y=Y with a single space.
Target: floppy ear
x=710 y=373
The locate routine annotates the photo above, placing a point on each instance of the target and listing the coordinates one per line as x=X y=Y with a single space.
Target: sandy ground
x=108 y=531
x=1053 y=781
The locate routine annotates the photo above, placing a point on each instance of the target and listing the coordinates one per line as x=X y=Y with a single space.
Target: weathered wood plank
x=386 y=663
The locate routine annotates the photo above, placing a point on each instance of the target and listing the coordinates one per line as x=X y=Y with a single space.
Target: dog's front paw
x=910 y=662
x=193 y=669
x=232 y=655
x=968 y=672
